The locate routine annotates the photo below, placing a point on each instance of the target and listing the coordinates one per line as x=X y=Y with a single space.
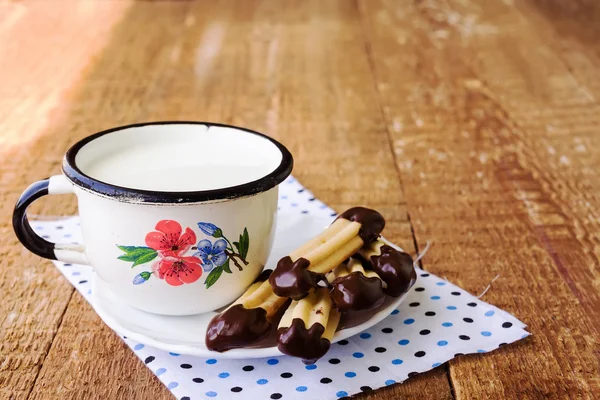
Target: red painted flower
x=168 y=240
x=178 y=270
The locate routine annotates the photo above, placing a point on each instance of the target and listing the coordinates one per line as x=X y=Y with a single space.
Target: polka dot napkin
x=435 y=323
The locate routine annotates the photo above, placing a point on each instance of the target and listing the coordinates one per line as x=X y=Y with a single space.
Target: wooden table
x=474 y=124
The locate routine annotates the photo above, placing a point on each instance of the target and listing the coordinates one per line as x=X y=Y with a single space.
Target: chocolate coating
x=263 y=275
x=372 y=223
x=356 y=292
x=237 y=327
x=297 y=341
x=396 y=269
x=293 y=279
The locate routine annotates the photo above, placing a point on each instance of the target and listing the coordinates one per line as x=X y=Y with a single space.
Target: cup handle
x=69 y=253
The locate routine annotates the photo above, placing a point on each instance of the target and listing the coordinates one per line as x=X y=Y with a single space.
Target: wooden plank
x=297 y=73
x=35 y=78
x=467 y=89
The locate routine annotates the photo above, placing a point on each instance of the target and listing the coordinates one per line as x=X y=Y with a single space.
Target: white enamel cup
x=177 y=218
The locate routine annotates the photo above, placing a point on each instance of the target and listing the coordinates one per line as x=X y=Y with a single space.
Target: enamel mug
x=177 y=218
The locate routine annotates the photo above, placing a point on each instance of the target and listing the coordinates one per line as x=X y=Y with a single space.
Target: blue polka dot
x=395 y=312
x=177 y=355
x=341 y=393
x=489 y=313
x=67 y=235
x=409 y=321
x=404 y=342
x=441 y=283
x=160 y=371
x=224 y=375
x=397 y=361
x=138 y=346
x=284 y=197
x=294 y=204
x=442 y=343
x=76 y=273
x=39 y=228
x=311 y=367
x=262 y=381
x=481 y=351
x=211 y=361
x=172 y=385
x=435 y=297
x=451 y=308
x=90 y=291
x=350 y=374
x=365 y=335
x=435 y=365
x=486 y=333
x=390 y=382
x=358 y=355
x=301 y=389
x=273 y=361
x=447 y=324
x=211 y=394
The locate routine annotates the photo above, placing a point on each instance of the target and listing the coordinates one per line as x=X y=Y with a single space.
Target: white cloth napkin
x=435 y=323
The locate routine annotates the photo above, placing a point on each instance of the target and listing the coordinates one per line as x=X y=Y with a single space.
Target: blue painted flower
x=141 y=277
x=212 y=255
x=210 y=229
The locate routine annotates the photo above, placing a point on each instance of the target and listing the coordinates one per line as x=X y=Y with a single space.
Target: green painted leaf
x=217 y=233
x=213 y=277
x=237 y=245
x=244 y=244
x=226 y=267
x=143 y=259
x=137 y=254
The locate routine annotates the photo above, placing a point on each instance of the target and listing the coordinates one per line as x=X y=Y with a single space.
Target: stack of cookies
x=346 y=268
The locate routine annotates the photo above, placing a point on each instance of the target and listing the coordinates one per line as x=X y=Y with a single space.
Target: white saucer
x=185 y=335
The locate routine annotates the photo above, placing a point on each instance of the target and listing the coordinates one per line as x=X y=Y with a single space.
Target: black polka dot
x=334 y=361
x=286 y=375
x=148 y=360
x=411 y=374
x=304 y=211
x=185 y=366
x=365 y=388
x=198 y=380
x=387 y=330
x=415 y=304
x=380 y=349
x=236 y=389
x=248 y=368
x=185 y=398
x=67 y=265
x=507 y=324
x=502 y=344
x=342 y=342
x=468 y=320
x=464 y=337
x=458 y=354
x=472 y=304
x=430 y=313
x=425 y=332
x=419 y=354
x=333 y=214
x=300 y=190
x=425 y=275
x=82 y=282
x=420 y=289
x=325 y=380
x=311 y=199
x=276 y=396
x=374 y=368
x=59 y=227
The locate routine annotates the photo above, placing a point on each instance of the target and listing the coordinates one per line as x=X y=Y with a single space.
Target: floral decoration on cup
x=169 y=243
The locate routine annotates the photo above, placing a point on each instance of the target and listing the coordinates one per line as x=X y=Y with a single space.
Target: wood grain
x=479 y=119
x=460 y=82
